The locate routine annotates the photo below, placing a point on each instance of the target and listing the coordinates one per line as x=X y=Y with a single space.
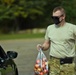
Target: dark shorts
x=61 y=66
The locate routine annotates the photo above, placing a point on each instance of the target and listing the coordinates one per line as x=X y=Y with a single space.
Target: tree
x=23 y=14
x=12 y=10
x=70 y=8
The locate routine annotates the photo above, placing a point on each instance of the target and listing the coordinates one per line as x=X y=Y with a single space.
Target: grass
x=21 y=36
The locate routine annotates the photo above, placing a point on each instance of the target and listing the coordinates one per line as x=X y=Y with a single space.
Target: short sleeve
x=74 y=31
x=46 y=34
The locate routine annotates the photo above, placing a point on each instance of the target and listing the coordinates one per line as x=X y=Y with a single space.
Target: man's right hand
x=39 y=46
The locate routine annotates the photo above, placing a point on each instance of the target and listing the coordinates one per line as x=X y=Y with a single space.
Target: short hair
x=60 y=9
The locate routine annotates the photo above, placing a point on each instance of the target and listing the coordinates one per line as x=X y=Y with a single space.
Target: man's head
x=58 y=15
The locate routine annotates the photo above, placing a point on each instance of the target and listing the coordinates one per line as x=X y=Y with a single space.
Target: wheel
x=16 y=72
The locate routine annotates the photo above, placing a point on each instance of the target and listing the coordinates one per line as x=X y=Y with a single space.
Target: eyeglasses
x=57 y=16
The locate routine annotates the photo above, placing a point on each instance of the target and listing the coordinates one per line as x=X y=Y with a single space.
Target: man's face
x=58 y=17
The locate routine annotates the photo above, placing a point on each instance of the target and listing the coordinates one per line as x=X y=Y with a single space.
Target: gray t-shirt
x=62 y=40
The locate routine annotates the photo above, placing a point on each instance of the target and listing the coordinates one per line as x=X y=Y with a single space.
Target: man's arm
x=44 y=46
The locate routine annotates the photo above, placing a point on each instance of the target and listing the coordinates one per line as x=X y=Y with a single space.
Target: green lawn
x=21 y=36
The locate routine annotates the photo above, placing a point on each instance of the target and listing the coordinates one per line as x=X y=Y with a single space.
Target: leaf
x=35 y=11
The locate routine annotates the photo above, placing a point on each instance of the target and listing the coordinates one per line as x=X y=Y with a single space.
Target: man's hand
x=39 y=46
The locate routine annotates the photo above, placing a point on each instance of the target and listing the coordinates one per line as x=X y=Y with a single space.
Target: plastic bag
x=41 y=65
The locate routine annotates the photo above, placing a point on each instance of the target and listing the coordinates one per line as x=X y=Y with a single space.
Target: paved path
x=27 y=53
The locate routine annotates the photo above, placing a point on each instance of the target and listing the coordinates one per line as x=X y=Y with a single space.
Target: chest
x=60 y=34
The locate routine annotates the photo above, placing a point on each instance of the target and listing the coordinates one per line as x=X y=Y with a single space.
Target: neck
x=62 y=23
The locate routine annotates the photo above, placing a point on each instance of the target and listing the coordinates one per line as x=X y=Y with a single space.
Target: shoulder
x=51 y=26
x=70 y=25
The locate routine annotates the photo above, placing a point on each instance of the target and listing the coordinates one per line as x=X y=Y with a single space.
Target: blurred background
x=27 y=20
x=18 y=16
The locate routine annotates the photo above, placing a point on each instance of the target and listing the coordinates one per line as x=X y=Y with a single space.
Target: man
x=60 y=39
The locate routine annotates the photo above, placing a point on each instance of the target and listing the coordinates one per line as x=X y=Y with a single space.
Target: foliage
x=22 y=14
x=70 y=8
x=9 y=9
x=21 y=36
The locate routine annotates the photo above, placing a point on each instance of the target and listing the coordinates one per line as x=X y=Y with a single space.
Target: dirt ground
x=27 y=53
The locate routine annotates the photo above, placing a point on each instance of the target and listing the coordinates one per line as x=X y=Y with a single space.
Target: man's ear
x=64 y=17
